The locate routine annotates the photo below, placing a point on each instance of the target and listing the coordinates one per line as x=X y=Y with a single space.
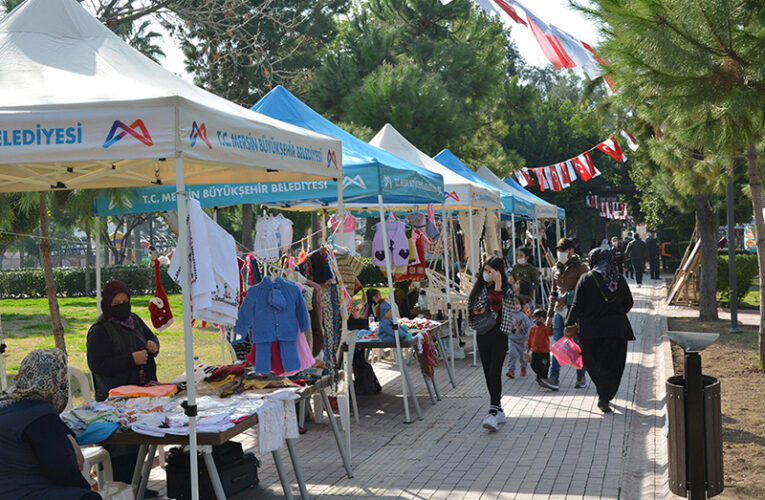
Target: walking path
x=555 y=445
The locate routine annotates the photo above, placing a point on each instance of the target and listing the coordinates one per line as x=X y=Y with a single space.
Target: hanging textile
x=492 y=234
x=267 y=242
x=214 y=269
x=398 y=244
x=426 y=353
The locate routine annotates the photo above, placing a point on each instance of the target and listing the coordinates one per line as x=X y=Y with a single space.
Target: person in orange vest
x=664 y=255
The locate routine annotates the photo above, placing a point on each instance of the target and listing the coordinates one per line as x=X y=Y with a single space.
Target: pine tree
x=697 y=69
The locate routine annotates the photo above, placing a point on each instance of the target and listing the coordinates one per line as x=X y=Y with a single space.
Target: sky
x=557 y=12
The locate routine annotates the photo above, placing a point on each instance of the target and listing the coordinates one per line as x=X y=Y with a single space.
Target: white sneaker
x=501 y=418
x=490 y=423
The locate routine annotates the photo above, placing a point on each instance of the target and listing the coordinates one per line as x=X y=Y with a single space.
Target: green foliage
x=437 y=73
x=70 y=281
x=746 y=274
x=241 y=49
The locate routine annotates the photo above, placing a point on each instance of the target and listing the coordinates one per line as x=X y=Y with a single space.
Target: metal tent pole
x=188 y=338
x=473 y=270
x=515 y=250
x=394 y=306
x=447 y=272
x=539 y=262
x=557 y=229
x=98 y=266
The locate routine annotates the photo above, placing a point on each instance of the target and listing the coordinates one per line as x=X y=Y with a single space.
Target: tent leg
x=512 y=242
x=539 y=261
x=557 y=229
x=447 y=273
x=188 y=338
x=474 y=263
x=98 y=267
x=394 y=308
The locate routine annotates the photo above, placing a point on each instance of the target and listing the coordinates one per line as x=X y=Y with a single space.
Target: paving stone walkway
x=555 y=445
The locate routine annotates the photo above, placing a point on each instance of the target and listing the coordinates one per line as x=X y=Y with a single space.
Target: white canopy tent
x=80 y=109
x=461 y=194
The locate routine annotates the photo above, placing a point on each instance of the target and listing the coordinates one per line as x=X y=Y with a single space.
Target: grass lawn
x=734 y=360
x=26 y=325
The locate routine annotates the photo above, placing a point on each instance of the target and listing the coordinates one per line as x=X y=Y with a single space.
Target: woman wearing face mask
x=494 y=291
x=526 y=275
x=121 y=351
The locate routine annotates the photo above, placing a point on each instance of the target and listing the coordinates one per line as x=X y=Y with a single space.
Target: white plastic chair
x=95 y=456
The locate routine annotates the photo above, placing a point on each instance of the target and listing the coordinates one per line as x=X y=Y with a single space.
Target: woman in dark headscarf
x=601 y=303
x=121 y=351
x=39 y=456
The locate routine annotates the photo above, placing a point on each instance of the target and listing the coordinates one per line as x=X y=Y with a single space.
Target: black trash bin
x=678 y=439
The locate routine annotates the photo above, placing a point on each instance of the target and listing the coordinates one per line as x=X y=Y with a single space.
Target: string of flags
x=562 y=49
x=613 y=210
x=560 y=176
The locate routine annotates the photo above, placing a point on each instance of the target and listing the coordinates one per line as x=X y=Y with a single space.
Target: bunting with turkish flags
x=581 y=168
x=541 y=178
x=557 y=186
x=612 y=148
x=565 y=179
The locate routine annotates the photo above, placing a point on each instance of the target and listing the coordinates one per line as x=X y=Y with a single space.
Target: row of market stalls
x=80 y=109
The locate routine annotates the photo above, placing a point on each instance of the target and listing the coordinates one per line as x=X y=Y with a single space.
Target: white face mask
x=563 y=257
x=517 y=308
x=487 y=277
x=521 y=260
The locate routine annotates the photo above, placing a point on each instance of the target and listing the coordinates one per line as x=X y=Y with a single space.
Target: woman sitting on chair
x=40 y=457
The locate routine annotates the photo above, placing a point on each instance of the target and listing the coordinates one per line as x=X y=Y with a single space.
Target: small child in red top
x=539 y=346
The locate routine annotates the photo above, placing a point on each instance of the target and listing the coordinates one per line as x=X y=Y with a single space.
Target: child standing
x=517 y=339
x=539 y=345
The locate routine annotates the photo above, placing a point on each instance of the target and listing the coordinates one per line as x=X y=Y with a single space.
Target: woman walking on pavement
x=493 y=294
x=601 y=303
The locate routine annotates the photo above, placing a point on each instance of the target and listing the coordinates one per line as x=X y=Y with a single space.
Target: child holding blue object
x=517 y=339
x=383 y=313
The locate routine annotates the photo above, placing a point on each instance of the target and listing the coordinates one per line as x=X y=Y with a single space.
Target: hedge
x=30 y=282
x=747 y=271
x=70 y=281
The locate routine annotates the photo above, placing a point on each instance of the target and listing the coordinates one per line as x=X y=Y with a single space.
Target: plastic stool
x=96 y=456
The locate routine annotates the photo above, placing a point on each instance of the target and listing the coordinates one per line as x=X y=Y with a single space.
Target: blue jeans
x=558 y=324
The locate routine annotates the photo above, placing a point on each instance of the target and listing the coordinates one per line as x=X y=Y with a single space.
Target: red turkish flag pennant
x=541 y=178
x=612 y=149
x=581 y=168
x=510 y=11
x=591 y=168
x=557 y=186
x=564 y=177
x=529 y=178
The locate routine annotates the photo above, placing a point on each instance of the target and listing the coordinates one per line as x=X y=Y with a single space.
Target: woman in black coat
x=601 y=303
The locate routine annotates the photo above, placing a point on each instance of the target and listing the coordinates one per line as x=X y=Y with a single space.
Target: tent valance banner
x=81 y=109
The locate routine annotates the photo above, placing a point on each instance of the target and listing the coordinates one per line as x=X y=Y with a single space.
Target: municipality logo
x=123 y=201
x=199 y=132
x=331 y=159
x=356 y=180
x=452 y=195
x=137 y=130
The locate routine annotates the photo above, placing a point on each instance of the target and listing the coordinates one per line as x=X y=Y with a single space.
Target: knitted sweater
x=274 y=311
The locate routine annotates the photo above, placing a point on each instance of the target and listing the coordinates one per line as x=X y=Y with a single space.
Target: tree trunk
x=88 y=257
x=247 y=227
x=755 y=183
x=707 y=223
x=50 y=282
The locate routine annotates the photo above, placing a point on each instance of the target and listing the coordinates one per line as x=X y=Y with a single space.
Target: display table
x=148 y=447
x=436 y=333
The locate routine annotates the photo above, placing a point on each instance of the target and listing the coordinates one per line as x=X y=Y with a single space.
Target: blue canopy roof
x=368 y=170
x=510 y=204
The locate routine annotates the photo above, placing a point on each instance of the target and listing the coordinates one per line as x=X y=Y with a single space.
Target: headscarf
x=43 y=375
x=602 y=261
x=111 y=290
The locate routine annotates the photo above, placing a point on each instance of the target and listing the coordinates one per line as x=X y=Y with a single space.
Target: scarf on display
x=43 y=375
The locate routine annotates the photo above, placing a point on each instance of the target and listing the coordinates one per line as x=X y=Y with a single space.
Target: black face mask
x=121 y=312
